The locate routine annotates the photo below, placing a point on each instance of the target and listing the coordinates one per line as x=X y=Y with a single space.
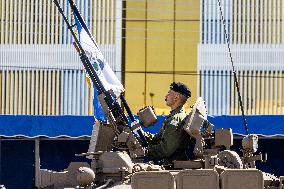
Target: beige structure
x=213 y=167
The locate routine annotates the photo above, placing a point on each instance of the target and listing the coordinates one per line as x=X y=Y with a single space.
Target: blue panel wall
x=275 y=155
x=17 y=164
x=17 y=160
x=57 y=154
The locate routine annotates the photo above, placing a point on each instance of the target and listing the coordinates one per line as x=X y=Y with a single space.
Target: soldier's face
x=171 y=98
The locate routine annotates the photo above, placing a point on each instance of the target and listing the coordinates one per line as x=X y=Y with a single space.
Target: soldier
x=171 y=141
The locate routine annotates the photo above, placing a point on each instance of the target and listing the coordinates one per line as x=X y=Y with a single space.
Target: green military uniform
x=171 y=141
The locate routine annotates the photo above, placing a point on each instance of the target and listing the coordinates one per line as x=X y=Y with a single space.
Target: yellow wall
x=161 y=47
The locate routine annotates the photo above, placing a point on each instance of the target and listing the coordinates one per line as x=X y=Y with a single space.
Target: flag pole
x=142 y=137
x=113 y=107
x=89 y=69
x=82 y=22
x=127 y=108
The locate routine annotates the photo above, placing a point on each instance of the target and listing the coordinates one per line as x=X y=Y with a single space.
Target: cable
x=233 y=68
x=186 y=73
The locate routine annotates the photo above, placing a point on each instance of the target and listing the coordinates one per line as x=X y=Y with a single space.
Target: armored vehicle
x=117 y=161
x=117 y=148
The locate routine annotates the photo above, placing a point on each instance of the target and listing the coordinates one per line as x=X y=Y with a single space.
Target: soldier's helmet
x=181 y=88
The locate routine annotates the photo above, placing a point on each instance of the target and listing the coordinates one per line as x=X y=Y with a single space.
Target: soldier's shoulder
x=174 y=121
x=180 y=116
x=177 y=118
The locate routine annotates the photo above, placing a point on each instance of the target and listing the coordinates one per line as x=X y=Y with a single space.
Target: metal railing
x=40 y=72
x=43 y=80
x=260 y=70
x=247 y=22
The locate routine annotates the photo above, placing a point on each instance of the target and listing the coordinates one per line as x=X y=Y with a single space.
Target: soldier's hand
x=148 y=136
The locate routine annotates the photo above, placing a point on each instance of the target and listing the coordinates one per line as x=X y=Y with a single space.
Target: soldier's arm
x=157 y=137
x=168 y=144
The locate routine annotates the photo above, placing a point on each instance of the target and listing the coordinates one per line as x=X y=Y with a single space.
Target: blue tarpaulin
x=80 y=126
x=46 y=126
x=266 y=125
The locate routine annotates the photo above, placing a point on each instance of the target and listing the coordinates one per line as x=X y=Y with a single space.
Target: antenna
x=234 y=72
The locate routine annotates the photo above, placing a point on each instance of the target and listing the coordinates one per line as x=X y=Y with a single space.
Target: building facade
x=40 y=72
x=161 y=47
x=255 y=36
x=164 y=41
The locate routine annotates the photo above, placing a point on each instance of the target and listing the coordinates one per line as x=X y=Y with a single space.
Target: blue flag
x=98 y=110
x=96 y=58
